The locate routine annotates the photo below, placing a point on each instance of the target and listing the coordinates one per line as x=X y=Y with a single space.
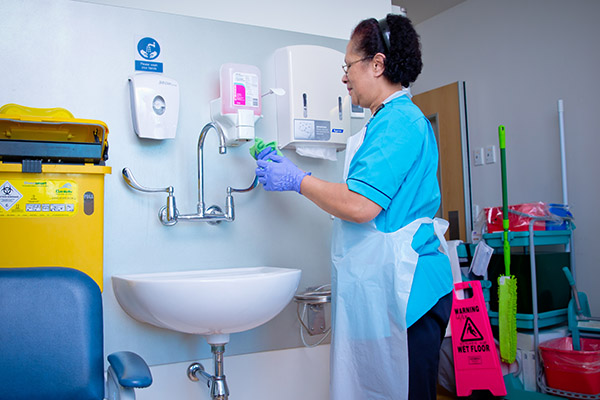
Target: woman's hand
x=277 y=173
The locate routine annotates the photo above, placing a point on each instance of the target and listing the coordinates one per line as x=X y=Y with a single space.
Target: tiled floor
x=443 y=394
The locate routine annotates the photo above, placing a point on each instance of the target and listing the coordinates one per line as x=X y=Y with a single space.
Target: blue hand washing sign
x=148 y=48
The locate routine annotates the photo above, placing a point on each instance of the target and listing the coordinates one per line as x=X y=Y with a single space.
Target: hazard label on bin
x=9 y=195
x=38 y=198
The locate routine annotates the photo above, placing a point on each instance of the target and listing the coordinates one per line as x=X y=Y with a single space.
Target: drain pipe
x=313 y=301
x=217 y=382
x=563 y=157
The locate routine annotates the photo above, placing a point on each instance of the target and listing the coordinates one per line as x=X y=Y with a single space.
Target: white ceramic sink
x=211 y=302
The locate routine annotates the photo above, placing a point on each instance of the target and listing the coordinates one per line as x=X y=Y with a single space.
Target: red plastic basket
x=571 y=370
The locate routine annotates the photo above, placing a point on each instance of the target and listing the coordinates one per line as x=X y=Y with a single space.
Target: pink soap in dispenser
x=240 y=88
x=240 y=104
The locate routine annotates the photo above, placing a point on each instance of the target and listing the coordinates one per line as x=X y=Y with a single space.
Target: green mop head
x=507 y=317
x=260 y=145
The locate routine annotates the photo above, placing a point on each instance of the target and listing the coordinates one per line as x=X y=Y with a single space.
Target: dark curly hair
x=403 y=60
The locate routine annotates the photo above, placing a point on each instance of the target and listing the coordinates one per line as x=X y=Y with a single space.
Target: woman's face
x=356 y=79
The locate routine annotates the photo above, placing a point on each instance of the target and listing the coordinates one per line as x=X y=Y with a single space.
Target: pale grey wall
x=518 y=57
x=331 y=18
x=78 y=56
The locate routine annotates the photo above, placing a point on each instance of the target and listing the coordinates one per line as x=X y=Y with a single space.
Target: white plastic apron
x=372 y=276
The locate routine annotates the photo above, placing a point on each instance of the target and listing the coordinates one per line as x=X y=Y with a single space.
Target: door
x=445 y=107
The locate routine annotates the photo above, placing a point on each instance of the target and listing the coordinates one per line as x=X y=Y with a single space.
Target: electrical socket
x=490 y=154
x=478 y=156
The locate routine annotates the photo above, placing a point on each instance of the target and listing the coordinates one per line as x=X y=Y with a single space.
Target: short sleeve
x=389 y=151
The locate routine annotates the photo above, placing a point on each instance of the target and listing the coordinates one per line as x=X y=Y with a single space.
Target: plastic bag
x=481 y=259
x=518 y=223
x=563 y=212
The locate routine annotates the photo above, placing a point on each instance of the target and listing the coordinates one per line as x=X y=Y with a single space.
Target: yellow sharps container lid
x=52 y=133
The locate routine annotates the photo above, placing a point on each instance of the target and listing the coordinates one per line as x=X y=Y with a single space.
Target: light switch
x=478 y=156
x=490 y=154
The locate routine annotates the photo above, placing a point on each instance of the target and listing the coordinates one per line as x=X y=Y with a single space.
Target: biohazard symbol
x=9 y=195
x=470 y=332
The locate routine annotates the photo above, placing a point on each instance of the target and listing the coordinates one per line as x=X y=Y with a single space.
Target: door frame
x=459 y=137
x=464 y=136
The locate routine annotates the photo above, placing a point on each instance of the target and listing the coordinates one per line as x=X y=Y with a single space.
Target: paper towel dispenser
x=316 y=108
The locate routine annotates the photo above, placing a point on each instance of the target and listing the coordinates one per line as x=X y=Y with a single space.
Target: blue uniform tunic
x=396 y=167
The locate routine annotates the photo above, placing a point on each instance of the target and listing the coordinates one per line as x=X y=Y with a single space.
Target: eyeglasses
x=346 y=67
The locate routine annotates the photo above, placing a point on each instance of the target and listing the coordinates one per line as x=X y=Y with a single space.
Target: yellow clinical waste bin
x=52 y=169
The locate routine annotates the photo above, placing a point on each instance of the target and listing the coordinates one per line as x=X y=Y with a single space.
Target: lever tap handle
x=249 y=188
x=128 y=176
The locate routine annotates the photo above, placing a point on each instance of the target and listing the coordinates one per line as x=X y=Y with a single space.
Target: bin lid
x=50 y=134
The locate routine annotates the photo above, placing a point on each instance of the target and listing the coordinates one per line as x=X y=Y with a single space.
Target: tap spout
x=222 y=150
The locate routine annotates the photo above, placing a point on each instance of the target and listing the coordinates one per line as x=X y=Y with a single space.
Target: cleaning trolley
x=544 y=234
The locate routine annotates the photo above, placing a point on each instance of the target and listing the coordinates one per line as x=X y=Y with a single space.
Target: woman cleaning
x=391 y=278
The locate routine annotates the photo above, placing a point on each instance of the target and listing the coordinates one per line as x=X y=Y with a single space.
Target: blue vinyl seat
x=51 y=340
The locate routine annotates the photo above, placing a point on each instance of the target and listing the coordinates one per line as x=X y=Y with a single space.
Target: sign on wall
x=148 y=55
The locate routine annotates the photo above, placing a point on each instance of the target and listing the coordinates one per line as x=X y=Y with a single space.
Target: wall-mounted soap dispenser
x=315 y=112
x=154 y=105
x=239 y=106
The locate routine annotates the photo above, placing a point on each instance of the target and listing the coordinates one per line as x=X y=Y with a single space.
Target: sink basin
x=211 y=302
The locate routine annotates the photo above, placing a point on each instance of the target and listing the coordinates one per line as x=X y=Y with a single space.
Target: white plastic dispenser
x=240 y=105
x=314 y=115
x=154 y=105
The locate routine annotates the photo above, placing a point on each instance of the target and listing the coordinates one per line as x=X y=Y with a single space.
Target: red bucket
x=572 y=370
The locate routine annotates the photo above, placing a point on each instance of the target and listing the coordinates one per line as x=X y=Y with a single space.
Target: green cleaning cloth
x=260 y=145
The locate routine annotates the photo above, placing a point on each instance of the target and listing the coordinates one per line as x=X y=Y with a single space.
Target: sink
x=209 y=302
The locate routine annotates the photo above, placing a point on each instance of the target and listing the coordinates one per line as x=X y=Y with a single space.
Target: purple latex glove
x=277 y=173
x=265 y=153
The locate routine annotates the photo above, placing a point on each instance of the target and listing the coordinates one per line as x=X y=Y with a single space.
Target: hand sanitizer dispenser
x=239 y=106
x=154 y=105
x=314 y=115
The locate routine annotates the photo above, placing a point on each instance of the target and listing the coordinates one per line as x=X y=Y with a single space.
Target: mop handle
x=505 y=224
x=573 y=289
